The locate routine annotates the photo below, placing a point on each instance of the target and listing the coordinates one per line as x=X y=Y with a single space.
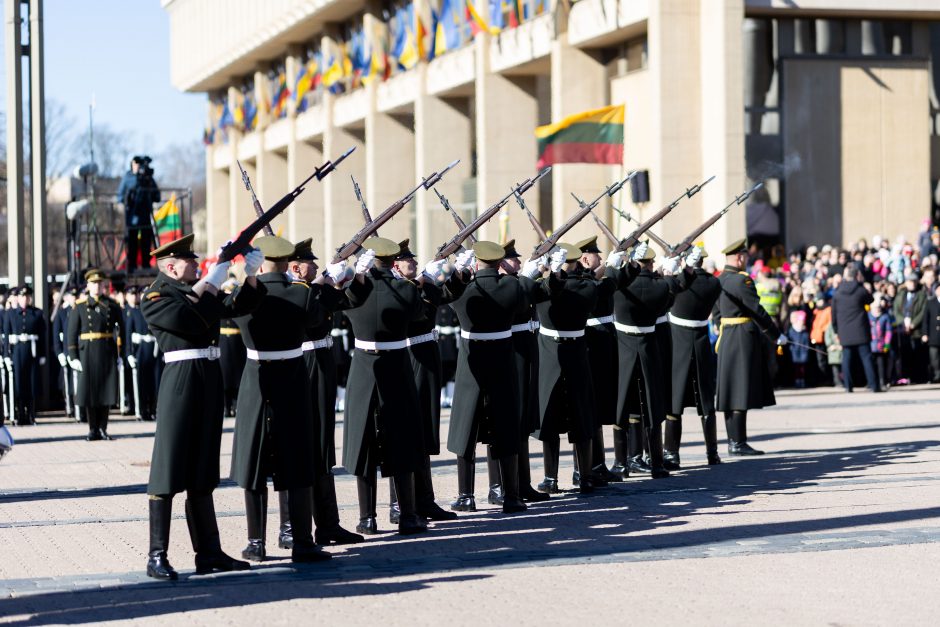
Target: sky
x=117 y=51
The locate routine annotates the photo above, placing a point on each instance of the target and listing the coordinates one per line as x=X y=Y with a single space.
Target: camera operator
x=138 y=192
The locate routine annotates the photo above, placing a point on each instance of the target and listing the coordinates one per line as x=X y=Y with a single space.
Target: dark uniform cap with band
x=181 y=248
x=510 y=248
x=405 y=252
x=736 y=247
x=588 y=245
x=382 y=247
x=94 y=275
x=489 y=251
x=303 y=251
x=573 y=252
x=274 y=248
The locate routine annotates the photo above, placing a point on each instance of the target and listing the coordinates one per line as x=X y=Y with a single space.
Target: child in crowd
x=799 y=346
x=880 y=340
x=834 y=350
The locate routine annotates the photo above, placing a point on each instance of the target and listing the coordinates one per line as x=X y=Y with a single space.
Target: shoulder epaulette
x=744 y=273
x=304 y=283
x=151 y=295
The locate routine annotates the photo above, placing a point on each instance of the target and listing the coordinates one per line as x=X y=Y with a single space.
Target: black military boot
x=655 y=438
x=710 y=430
x=551 y=451
x=620 y=468
x=599 y=459
x=582 y=451
x=671 y=441
x=256 y=513
x=409 y=523
x=366 y=486
x=204 y=533
x=495 y=495
x=466 y=476
x=635 y=461
x=736 y=424
x=394 y=509
x=509 y=469
x=326 y=514
x=103 y=423
x=424 y=496
x=285 y=533
x=158 y=566
x=526 y=491
x=91 y=415
x=300 y=501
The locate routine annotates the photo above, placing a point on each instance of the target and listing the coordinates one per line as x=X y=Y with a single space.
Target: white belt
x=291 y=353
x=447 y=330
x=685 y=322
x=23 y=337
x=494 y=335
x=210 y=353
x=559 y=333
x=366 y=345
x=596 y=322
x=313 y=345
x=531 y=325
x=421 y=339
x=662 y=319
x=629 y=328
x=338 y=332
x=137 y=338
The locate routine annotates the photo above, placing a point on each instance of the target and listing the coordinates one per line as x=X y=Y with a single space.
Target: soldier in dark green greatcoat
x=184 y=315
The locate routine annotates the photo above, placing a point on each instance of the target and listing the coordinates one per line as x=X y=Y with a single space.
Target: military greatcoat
x=95 y=329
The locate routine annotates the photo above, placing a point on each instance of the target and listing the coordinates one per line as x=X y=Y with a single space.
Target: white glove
x=530 y=269
x=557 y=259
x=640 y=251
x=8 y=362
x=253 y=261
x=782 y=340
x=42 y=361
x=396 y=273
x=217 y=273
x=694 y=256
x=615 y=258
x=336 y=271
x=465 y=261
x=670 y=265
x=75 y=364
x=434 y=270
x=131 y=361
x=365 y=261
x=62 y=359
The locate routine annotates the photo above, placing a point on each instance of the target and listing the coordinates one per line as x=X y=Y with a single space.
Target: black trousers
x=935 y=364
x=863 y=352
x=139 y=239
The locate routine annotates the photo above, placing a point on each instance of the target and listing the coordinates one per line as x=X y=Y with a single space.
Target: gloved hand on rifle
x=670 y=265
x=640 y=251
x=557 y=259
x=217 y=273
x=434 y=271
x=365 y=261
x=465 y=261
x=694 y=257
x=615 y=258
x=339 y=273
x=253 y=261
x=532 y=267
x=131 y=361
x=62 y=359
x=75 y=364
x=8 y=362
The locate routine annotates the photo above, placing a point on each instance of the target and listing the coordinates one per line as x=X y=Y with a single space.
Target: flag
x=447 y=27
x=406 y=51
x=281 y=96
x=333 y=75
x=478 y=22
x=168 y=221
x=307 y=80
x=594 y=136
x=226 y=119
x=238 y=118
x=250 y=111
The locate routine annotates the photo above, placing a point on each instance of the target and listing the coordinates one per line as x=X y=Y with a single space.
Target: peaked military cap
x=94 y=275
x=735 y=247
x=274 y=248
x=383 y=248
x=510 y=248
x=572 y=252
x=588 y=245
x=489 y=251
x=303 y=251
x=181 y=248
x=405 y=252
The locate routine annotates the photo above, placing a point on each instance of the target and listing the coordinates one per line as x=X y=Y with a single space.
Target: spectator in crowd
x=822 y=318
x=834 y=355
x=930 y=333
x=880 y=323
x=850 y=323
x=798 y=338
x=909 y=307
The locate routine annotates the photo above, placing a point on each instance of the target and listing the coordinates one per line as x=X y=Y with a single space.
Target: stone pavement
x=838 y=524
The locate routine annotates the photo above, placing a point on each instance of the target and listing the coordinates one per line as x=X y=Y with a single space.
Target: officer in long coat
x=485 y=397
x=693 y=366
x=59 y=328
x=25 y=332
x=184 y=315
x=276 y=434
x=383 y=425
x=744 y=379
x=143 y=356
x=232 y=356
x=94 y=340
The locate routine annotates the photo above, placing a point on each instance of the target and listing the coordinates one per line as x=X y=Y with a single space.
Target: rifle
x=461 y=225
x=453 y=245
x=242 y=243
x=656 y=238
x=605 y=229
x=254 y=199
x=634 y=238
x=687 y=243
x=366 y=216
x=532 y=220
x=550 y=242
x=355 y=243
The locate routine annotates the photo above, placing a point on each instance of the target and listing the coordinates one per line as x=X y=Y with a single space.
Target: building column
x=342 y=214
x=16 y=223
x=38 y=151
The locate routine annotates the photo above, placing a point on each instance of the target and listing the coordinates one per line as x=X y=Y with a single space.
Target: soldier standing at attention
x=25 y=330
x=59 y=327
x=94 y=342
x=744 y=379
x=142 y=356
x=184 y=315
x=232 y=356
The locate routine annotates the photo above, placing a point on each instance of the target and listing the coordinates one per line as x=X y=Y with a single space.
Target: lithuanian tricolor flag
x=590 y=137
x=168 y=221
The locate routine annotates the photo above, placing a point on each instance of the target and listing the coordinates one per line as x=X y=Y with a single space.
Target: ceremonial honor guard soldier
x=60 y=325
x=276 y=434
x=448 y=330
x=383 y=425
x=94 y=338
x=232 y=356
x=184 y=315
x=486 y=407
x=142 y=357
x=693 y=366
x=744 y=379
x=25 y=330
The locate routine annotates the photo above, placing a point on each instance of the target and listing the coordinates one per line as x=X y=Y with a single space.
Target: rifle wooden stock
x=659 y=241
x=461 y=225
x=634 y=238
x=605 y=230
x=689 y=241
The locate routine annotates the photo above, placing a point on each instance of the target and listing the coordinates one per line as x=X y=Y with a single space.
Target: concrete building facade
x=833 y=103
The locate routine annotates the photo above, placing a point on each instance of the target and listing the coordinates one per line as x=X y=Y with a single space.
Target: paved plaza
x=838 y=524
